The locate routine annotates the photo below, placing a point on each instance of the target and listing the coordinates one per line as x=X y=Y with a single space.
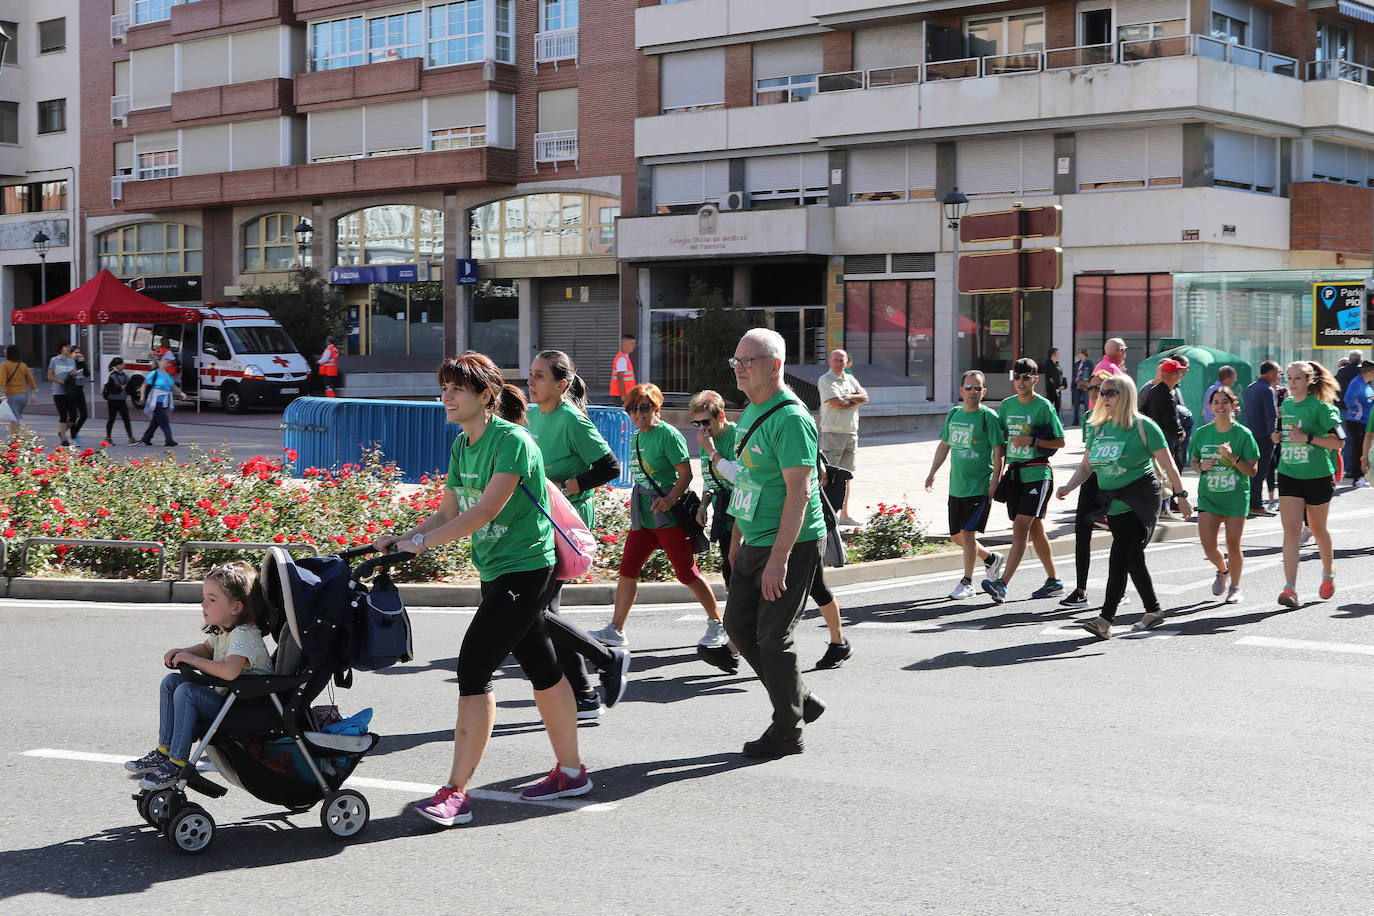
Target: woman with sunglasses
x=1122 y=447
x=1225 y=456
x=661 y=463
x=577 y=460
x=1088 y=514
x=1308 y=437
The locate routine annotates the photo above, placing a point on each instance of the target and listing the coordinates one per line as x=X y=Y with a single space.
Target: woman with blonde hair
x=1308 y=437
x=1123 y=450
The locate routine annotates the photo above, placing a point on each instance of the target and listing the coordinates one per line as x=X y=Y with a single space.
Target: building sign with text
x=1338 y=316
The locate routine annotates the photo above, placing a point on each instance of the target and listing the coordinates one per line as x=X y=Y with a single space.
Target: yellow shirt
x=16 y=377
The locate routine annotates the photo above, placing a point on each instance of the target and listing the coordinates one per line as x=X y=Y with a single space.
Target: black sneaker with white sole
x=720 y=656
x=1074 y=598
x=615 y=677
x=589 y=707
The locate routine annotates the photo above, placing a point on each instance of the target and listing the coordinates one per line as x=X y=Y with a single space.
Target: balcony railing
x=553 y=46
x=1079 y=56
x=1339 y=70
x=119 y=108
x=117 y=187
x=556 y=146
x=119 y=25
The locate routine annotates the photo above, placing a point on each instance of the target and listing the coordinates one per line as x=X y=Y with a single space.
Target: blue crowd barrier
x=328 y=433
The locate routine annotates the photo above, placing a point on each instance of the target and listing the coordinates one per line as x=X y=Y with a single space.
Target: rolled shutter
x=920 y=168
x=717 y=180
x=1267 y=164
x=205 y=63
x=257 y=55
x=1328 y=160
x=205 y=150
x=691 y=78
x=1112 y=157
x=989 y=166
x=121 y=77
x=394 y=125
x=888 y=46
x=558 y=110
x=1129 y=12
x=1166 y=153
x=773 y=173
x=1037 y=164
x=466 y=110
x=336 y=133
x=788 y=57
x=151 y=76
x=815 y=171
x=1234 y=157
x=679 y=184
x=257 y=144
x=124 y=156
x=878 y=171
x=157 y=142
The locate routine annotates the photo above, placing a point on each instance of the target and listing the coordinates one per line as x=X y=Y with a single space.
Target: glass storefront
x=1255 y=315
x=984 y=335
x=1138 y=308
x=393 y=318
x=494 y=323
x=406 y=319
x=891 y=323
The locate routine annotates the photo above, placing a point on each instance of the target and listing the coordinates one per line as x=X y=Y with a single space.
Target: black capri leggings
x=510 y=621
x=1083 y=526
x=1127 y=558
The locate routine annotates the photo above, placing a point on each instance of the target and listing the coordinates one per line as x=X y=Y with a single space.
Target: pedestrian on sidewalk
x=1054 y=379
x=60 y=368
x=1225 y=456
x=1124 y=448
x=776 y=545
x=716 y=439
x=1033 y=434
x=1113 y=360
x=1347 y=372
x=841 y=397
x=1082 y=383
x=116 y=395
x=158 y=404
x=662 y=465
x=1260 y=412
x=974 y=437
x=513 y=551
x=577 y=460
x=1357 y=411
x=16 y=381
x=1367 y=396
x=1088 y=515
x=1308 y=437
x=329 y=367
x=1158 y=405
x=623 y=369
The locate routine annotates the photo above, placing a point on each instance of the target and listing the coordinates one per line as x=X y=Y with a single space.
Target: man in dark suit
x=1260 y=412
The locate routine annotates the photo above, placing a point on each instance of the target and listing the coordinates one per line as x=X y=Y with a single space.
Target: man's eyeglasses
x=701 y=424
x=1108 y=392
x=742 y=362
x=1025 y=377
x=641 y=407
x=974 y=388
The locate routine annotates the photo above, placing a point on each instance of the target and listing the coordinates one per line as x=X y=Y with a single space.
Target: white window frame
x=443 y=138
x=435 y=39
x=503 y=27
x=386 y=50
x=158 y=164
x=315 y=58
x=152 y=10
x=796 y=88
x=567 y=15
x=1006 y=20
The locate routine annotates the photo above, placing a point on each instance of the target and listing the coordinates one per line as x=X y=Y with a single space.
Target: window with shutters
x=786 y=70
x=1115 y=160
x=544 y=226
x=1245 y=162
x=1006 y=166
x=52 y=116
x=458 y=137
x=889 y=174
x=9 y=122
x=1143 y=21
x=682 y=187
x=1341 y=164
x=150 y=249
x=692 y=80
x=389 y=234
x=269 y=243
x=787 y=181
x=52 y=36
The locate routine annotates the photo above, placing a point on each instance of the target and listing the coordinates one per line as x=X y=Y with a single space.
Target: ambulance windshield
x=260 y=339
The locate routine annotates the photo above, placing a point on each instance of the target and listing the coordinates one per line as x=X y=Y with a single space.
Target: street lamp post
x=955 y=205
x=304 y=233
x=40 y=245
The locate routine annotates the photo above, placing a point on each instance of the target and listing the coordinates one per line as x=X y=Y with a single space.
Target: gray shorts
x=839 y=448
x=17 y=404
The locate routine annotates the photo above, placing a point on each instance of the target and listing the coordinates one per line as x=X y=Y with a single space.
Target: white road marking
x=914 y=626
x=1307 y=644
x=361 y=782
x=1121 y=631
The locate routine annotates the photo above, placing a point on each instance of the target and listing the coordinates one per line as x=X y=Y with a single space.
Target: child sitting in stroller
x=231 y=606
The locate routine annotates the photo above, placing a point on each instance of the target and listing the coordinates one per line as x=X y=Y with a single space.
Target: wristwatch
x=1182 y=494
x=1309 y=438
x=419 y=541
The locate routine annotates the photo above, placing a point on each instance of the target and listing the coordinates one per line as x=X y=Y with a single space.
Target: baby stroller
x=265 y=739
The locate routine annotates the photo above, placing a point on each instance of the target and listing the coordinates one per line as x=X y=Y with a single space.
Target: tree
x=307 y=308
x=711 y=338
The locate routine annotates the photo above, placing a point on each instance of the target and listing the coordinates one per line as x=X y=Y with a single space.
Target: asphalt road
x=973 y=759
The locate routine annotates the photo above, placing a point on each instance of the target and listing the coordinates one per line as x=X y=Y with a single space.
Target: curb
x=188 y=591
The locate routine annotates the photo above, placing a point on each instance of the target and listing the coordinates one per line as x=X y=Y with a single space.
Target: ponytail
x=562 y=369
x=577 y=393
x=510 y=404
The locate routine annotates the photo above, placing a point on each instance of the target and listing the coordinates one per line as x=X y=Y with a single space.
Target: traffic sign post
x=1016 y=271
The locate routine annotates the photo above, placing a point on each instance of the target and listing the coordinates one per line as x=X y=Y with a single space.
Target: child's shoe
x=147 y=763
x=167 y=773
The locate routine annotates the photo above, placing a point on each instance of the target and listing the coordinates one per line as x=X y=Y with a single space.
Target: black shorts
x=964 y=509
x=1030 y=497
x=1316 y=491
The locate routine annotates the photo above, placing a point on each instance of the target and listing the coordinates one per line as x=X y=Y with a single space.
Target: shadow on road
x=1009 y=655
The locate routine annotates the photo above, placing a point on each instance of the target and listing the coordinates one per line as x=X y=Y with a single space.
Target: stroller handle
x=383 y=562
x=354 y=552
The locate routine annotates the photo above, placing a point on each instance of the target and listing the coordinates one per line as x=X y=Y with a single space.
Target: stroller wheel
x=344 y=814
x=190 y=829
x=153 y=806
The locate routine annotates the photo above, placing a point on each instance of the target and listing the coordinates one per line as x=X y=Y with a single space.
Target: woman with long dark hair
x=495 y=494
x=577 y=459
x=1308 y=437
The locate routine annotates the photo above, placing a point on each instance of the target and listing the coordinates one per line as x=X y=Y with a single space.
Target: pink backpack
x=574 y=546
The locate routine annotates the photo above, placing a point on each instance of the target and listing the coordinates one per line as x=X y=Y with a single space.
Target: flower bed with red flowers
x=66 y=493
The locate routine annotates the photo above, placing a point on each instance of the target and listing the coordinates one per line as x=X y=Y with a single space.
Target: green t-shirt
x=1018 y=420
x=570 y=443
x=1119 y=457
x=725 y=445
x=661 y=449
x=1296 y=457
x=520 y=538
x=1223 y=490
x=787 y=439
x=971 y=436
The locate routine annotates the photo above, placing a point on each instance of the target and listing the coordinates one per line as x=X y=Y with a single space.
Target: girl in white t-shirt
x=230 y=607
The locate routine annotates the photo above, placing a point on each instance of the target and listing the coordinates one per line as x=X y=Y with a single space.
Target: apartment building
x=796 y=153
x=39 y=98
x=410 y=138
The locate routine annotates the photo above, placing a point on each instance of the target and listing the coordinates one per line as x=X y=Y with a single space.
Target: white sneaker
x=994 y=564
x=610 y=636
x=1306 y=536
x=1233 y=595
x=963 y=590
x=1362 y=482
x=1220 y=582
x=714 y=636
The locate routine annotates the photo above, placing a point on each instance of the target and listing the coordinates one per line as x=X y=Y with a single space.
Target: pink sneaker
x=447 y=808
x=558 y=785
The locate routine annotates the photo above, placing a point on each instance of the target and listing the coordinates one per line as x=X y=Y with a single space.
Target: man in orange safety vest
x=329 y=367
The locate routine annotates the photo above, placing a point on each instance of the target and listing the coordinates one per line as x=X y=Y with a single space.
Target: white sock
x=569 y=771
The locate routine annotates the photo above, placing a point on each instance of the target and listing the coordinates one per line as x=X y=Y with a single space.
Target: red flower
x=102 y=512
x=104 y=443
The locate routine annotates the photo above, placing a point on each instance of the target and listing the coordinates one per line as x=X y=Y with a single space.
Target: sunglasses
x=974 y=388
x=1108 y=392
x=1094 y=387
x=700 y=424
x=641 y=407
x=1025 y=377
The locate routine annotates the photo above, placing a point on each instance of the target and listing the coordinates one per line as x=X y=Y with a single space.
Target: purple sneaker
x=447 y=808
x=558 y=785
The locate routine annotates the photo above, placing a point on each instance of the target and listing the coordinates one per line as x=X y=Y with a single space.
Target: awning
x=104 y=300
x=1354 y=10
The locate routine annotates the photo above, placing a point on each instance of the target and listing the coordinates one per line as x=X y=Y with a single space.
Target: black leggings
x=119 y=408
x=1083 y=526
x=572 y=644
x=70 y=410
x=1127 y=556
x=510 y=620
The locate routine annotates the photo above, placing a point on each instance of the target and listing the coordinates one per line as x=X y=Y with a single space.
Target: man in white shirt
x=841 y=395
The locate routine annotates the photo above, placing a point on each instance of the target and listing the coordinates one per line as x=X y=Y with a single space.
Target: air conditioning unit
x=735 y=200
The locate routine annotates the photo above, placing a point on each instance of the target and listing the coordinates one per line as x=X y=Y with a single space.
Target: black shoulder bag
x=684 y=511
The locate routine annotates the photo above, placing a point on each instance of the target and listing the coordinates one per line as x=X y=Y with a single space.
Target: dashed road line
x=1308 y=645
